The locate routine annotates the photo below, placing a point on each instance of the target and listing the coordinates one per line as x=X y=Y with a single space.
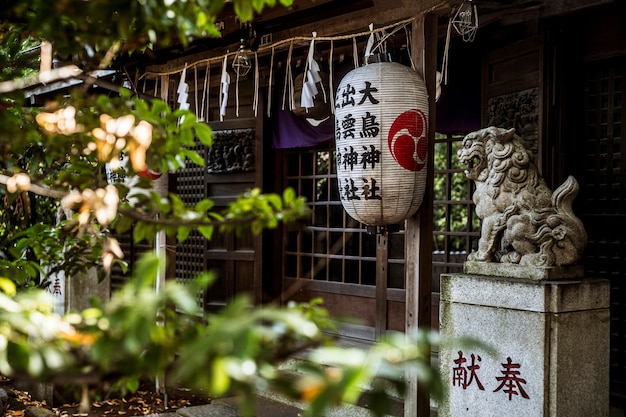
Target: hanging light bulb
x=241 y=63
x=465 y=20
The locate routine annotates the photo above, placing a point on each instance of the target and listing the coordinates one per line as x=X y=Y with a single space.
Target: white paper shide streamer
x=183 y=93
x=225 y=83
x=311 y=78
x=370 y=43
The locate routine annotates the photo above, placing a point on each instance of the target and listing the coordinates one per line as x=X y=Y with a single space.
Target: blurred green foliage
x=64 y=217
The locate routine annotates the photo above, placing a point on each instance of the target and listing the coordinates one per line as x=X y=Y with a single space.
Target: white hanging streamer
x=409 y=47
x=207 y=71
x=442 y=76
x=208 y=92
x=195 y=93
x=183 y=93
x=269 y=87
x=160 y=80
x=311 y=78
x=370 y=44
x=288 y=81
x=237 y=94
x=225 y=82
x=330 y=77
x=255 y=100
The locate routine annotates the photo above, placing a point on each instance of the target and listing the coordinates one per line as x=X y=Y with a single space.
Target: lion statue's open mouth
x=472 y=154
x=523 y=222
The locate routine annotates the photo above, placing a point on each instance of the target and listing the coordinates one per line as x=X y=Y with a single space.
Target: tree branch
x=37 y=189
x=145 y=218
x=138 y=215
x=68 y=71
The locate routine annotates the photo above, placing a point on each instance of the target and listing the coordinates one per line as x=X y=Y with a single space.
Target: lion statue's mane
x=523 y=222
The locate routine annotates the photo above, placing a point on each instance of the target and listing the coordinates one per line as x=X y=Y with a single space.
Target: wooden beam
x=382 y=13
x=419 y=228
x=557 y=7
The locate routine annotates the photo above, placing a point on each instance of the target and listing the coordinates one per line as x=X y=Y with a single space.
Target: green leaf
x=7 y=286
x=206 y=231
x=178 y=206
x=186 y=137
x=205 y=205
x=204 y=133
x=123 y=224
x=197 y=159
x=220 y=381
x=132 y=384
x=289 y=195
x=201 y=19
x=160 y=108
x=147 y=268
x=182 y=234
x=139 y=232
x=189 y=121
x=243 y=9
x=275 y=201
x=205 y=280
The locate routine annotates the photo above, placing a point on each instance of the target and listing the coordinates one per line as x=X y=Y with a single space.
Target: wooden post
x=382 y=256
x=419 y=228
x=161 y=186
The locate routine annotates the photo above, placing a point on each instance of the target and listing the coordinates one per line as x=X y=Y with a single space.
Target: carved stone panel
x=232 y=151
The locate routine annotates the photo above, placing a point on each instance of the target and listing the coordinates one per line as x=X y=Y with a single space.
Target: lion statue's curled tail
x=523 y=222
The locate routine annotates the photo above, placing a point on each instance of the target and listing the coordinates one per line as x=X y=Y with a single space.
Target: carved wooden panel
x=519 y=110
x=232 y=151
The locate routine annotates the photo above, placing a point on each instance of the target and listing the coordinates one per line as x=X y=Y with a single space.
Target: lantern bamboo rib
x=289 y=42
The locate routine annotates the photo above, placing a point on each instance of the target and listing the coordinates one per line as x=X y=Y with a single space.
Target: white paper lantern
x=381 y=135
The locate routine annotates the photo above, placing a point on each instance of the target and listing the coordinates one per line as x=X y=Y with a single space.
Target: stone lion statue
x=523 y=222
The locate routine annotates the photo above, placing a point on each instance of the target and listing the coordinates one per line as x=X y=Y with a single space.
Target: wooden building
x=553 y=69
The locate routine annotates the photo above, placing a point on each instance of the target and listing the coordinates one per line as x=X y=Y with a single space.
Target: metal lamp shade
x=381 y=135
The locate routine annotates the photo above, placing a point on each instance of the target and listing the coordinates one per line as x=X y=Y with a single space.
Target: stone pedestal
x=546 y=343
x=82 y=287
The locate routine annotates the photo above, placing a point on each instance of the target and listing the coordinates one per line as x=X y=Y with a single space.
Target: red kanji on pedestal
x=510 y=381
x=465 y=375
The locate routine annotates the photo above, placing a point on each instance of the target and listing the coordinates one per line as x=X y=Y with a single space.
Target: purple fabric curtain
x=291 y=131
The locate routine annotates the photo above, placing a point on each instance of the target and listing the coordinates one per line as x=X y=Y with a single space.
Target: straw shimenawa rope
x=287 y=99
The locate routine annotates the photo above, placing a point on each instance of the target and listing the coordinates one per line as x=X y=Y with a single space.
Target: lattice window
x=600 y=155
x=456 y=228
x=333 y=246
x=191 y=254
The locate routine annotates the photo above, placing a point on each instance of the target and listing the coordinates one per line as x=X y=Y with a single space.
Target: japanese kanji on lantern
x=381 y=135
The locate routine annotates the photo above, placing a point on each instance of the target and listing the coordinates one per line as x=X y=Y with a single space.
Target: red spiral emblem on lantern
x=407 y=139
